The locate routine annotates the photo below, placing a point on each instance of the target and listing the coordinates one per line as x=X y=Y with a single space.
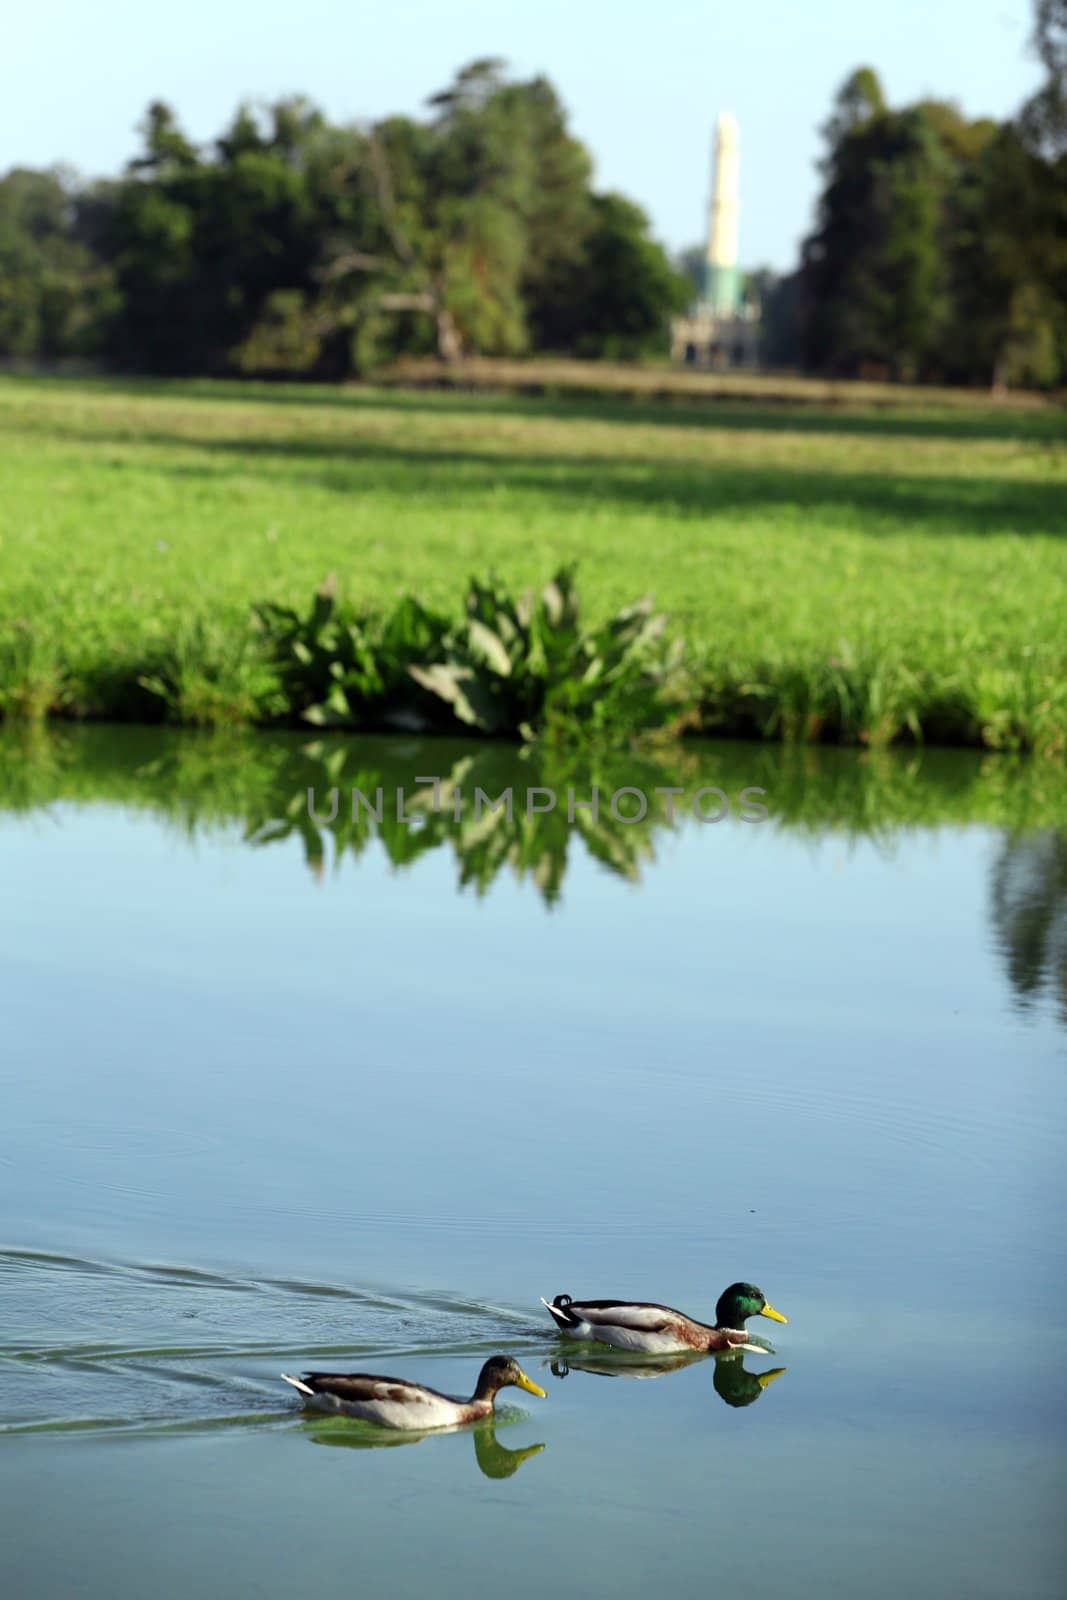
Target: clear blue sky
x=642 y=82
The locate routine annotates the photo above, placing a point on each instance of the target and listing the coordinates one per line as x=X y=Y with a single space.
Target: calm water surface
x=275 y=1096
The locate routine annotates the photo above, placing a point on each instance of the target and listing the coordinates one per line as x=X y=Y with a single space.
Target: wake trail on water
x=145 y=1346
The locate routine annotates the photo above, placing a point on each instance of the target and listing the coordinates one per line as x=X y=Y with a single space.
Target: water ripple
x=118 y=1365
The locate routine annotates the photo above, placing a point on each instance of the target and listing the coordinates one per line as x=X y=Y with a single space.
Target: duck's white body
x=389 y=1401
x=642 y=1328
x=399 y=1403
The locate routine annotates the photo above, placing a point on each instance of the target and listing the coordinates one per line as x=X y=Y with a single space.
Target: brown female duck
x=399 y=1403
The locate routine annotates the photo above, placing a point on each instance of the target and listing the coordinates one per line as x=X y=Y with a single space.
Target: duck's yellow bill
x=775 y=1316
x=765 y=1378
x=528 y=1384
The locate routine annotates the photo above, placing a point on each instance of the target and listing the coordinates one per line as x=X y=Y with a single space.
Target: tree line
x=940 y=245
x=294 y=246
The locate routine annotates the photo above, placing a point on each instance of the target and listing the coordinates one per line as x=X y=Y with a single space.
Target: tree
x=940 y=249
x=442 y=234
x=478 y=221
x=874 y=273
x=1006 y=242
x=200 y=241
x=55 y=295
x=558 y=209
x=777 y=295
x=1043 y=120
x=860 y=100
x=166 y=149
x=628 y=288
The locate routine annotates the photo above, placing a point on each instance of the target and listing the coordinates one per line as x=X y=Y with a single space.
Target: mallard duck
x=660 y=1330
x=399 y=1403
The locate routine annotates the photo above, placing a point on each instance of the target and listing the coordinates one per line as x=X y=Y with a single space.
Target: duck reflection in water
x=733 y=1382
x=494 y=1459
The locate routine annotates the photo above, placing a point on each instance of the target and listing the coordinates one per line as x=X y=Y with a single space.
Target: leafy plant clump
x=343 y=668
x=510 y=667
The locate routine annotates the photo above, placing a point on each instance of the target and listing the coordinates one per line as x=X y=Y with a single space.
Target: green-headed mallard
x=660 y=1330
x=399 y=1403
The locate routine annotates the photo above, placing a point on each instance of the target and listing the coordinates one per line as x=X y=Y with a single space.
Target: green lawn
x=903 y=566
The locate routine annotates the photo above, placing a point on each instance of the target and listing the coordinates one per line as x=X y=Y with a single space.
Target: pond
x=280 y=1093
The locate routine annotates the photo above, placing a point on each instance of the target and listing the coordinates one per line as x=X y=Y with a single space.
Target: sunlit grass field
x=860 y=573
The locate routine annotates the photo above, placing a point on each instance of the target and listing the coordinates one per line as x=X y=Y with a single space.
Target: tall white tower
x=722 y=277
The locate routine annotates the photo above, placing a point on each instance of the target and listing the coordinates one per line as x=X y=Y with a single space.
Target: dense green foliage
x=56 y=294
x=291 y=246
x=512 y=666
x=295 y=246
x=855 y=575
x=1043 y=119
x=940 y=250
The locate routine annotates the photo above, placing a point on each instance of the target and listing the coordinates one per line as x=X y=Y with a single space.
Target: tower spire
x=722 y=278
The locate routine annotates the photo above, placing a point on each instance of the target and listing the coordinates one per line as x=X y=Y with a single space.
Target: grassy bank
x=848 y=572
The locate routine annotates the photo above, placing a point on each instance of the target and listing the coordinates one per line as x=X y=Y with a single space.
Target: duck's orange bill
x=775 y=1316
x=532 y=1388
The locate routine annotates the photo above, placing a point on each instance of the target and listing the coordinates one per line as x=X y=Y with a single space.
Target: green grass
x=858 y=574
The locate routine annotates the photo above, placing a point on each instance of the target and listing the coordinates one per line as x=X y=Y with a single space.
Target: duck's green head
x=498 y=1372
x=740 y=1301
